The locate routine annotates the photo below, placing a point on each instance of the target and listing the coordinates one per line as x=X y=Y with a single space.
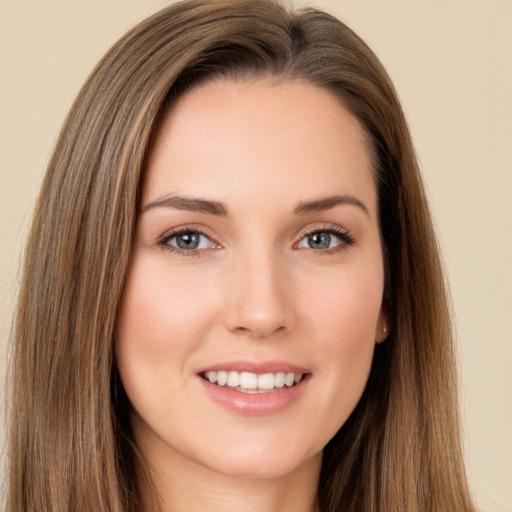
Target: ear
x=382 y=331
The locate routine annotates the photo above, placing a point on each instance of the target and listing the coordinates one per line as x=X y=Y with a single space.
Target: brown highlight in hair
x=70 y=445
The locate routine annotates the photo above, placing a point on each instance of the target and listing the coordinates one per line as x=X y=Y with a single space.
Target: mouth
x=253 y=383
x=255 y=388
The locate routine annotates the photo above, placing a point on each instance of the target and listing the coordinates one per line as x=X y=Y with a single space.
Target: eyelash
x=346 y=240
x=164 y=241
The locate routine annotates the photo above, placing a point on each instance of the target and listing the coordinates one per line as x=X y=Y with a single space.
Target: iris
x=319 y=240
x=188 y=240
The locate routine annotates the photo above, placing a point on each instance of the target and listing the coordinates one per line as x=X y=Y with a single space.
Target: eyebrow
x=189 y=204
x=219 y=209
x=326 y=203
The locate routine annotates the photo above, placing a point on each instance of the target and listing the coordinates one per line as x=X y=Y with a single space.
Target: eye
x=325 y=240
x=187 y=240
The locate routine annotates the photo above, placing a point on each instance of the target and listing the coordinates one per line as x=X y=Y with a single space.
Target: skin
x=255 y=289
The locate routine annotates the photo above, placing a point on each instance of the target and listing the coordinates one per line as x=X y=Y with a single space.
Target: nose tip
x=259 y=328
x=260 y=303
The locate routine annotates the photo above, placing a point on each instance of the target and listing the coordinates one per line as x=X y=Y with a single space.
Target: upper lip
x=258 y=367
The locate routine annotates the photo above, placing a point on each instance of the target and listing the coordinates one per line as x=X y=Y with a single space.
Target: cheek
x=346 y=309
x=158 y=307
x=344 y=319
x=157 y=326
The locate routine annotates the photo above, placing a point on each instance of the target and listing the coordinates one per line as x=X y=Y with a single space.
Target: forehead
x=283 y=141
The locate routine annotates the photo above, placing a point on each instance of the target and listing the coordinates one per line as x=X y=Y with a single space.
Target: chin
x=262 y=463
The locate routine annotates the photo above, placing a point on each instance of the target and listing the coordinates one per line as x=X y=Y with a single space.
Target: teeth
x=248 y=380
x=266 y=381
x=289 y=379
x=279 y=379
x=252 y=382
x=233 y=379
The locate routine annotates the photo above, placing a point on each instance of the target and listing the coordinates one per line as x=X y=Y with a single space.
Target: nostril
x=260 y=331
x=258 y=303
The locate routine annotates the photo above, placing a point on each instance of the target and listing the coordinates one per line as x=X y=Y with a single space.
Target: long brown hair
x=70 y=444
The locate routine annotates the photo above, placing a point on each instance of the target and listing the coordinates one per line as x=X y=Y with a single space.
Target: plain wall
x=451 y=62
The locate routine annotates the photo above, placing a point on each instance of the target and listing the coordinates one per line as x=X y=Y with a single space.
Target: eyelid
x=346 y=237
x=343 y=234
x=168 y=235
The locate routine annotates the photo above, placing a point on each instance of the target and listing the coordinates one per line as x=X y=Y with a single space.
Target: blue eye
x=187 y=240
x=326 y=239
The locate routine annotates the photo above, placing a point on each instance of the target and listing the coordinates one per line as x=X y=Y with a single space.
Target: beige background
x=451 y=62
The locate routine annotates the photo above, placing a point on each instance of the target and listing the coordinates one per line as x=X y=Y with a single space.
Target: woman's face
x=257 y=259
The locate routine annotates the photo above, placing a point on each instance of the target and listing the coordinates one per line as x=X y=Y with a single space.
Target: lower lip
x=255 y=403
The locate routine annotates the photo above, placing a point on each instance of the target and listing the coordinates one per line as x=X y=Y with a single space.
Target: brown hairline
x=70 y=444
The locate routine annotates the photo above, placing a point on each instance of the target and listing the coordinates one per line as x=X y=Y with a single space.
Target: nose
x=259 y=298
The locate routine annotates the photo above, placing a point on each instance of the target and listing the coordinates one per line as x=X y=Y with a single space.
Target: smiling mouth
x=247 y=382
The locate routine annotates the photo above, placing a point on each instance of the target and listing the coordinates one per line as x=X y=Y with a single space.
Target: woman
x=232 y=294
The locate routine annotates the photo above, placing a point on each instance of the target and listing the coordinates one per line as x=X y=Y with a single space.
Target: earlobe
x=382 y=327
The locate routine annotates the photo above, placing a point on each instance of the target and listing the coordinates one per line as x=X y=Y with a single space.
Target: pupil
x=187 y=240
x=319 y=240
